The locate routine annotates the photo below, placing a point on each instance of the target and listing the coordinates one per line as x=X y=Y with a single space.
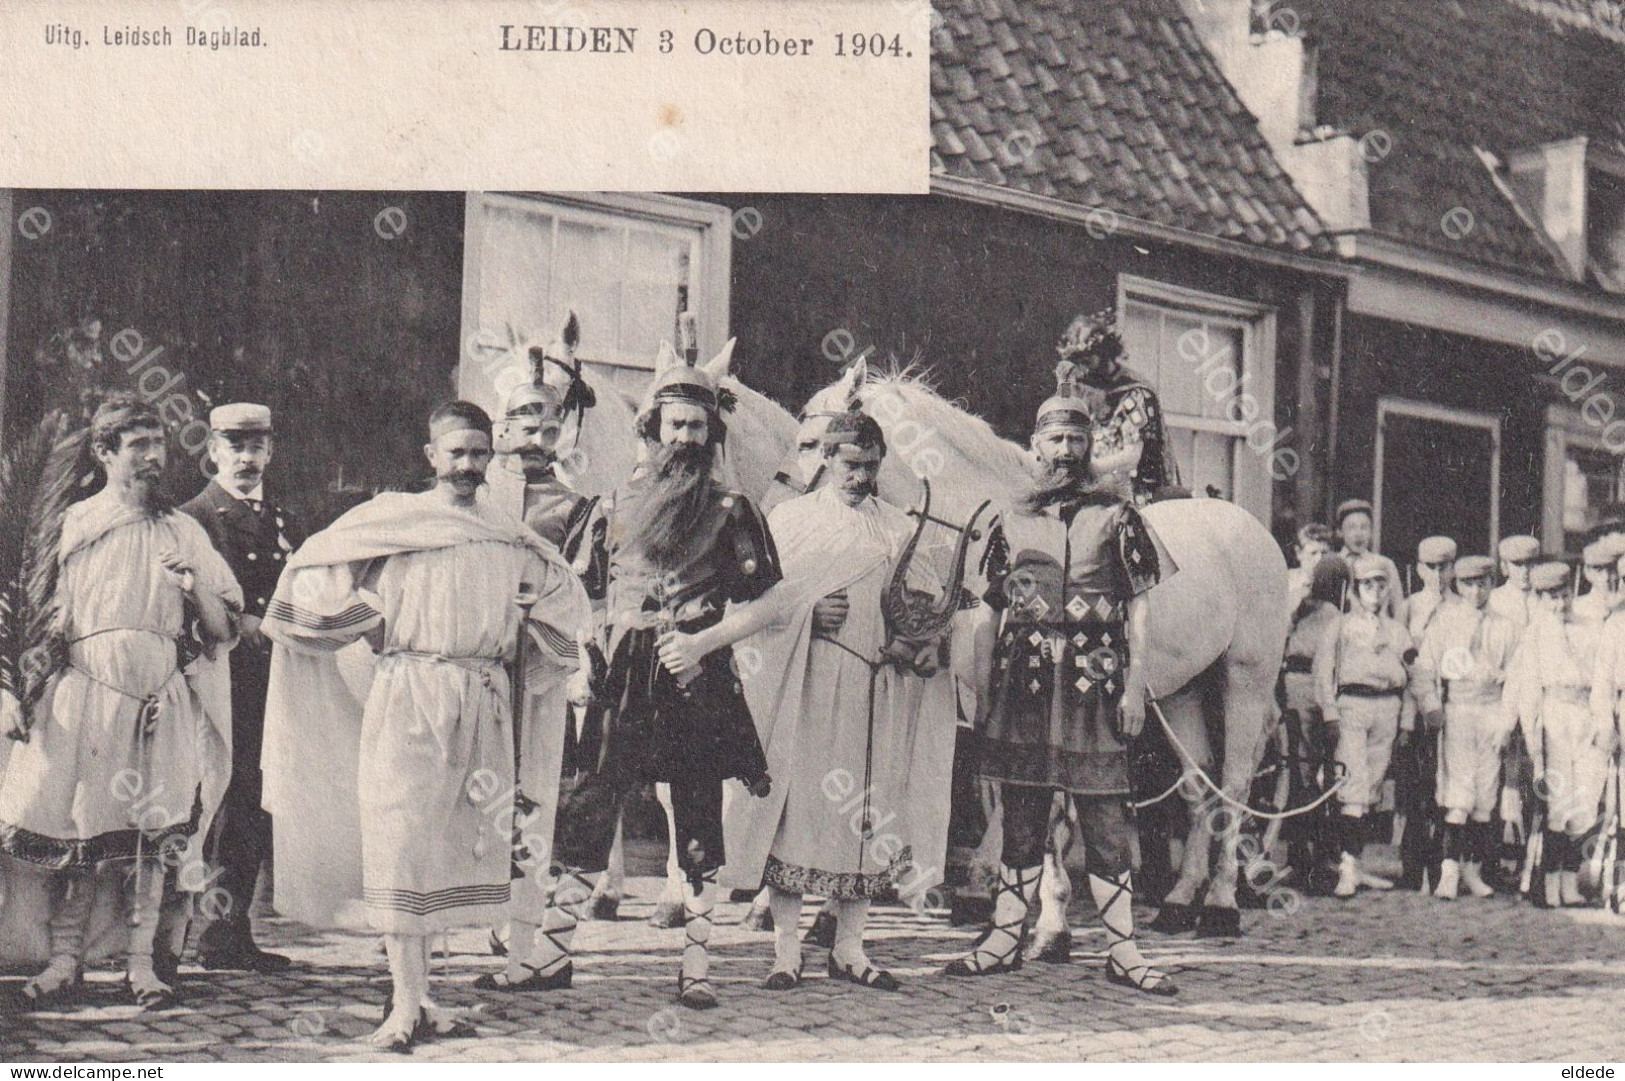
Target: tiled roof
x=1443 y=76
x=1112 y=104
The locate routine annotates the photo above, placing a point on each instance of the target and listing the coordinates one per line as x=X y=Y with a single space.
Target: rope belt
x=480 y=666
x=147 y=716
x=1300 y=665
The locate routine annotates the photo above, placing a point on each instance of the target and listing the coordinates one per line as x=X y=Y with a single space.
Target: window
x=1210 y=361
x=1585 y=481
x=627 y=264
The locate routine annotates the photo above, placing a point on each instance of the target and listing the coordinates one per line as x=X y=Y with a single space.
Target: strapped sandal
x=1010 y=960
x=1141 y=978
x=696 y=992
x=557 y=980
x=878 y=978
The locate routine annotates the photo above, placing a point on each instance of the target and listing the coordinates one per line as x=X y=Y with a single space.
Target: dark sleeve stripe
x=287 y=612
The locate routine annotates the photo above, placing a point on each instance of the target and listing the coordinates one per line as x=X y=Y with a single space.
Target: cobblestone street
x=1382 y=977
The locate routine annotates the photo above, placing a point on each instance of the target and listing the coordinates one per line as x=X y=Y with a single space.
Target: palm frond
x=37 y=483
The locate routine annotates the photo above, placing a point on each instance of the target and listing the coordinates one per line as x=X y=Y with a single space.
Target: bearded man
x=402 y=797
x=858 y=725
x=669 y=551
x=1059 y=669
x=132 y=752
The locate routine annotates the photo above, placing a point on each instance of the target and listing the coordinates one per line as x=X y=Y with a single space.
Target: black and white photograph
x=1149 y=596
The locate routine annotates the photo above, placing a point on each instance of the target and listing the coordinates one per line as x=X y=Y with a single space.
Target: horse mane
x=966 y=435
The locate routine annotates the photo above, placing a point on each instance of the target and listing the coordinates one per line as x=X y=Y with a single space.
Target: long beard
x=1060 y=484
x=679 y=488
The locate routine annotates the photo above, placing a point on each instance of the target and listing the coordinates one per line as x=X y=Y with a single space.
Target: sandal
x=151 y=997
x=557 y=980
x=1015 y=884
x=1141 y=978
x=781 y=980
x=878 y=978
x=695 y=992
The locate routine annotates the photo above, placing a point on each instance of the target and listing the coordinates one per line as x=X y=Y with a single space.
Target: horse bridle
x=579 y=397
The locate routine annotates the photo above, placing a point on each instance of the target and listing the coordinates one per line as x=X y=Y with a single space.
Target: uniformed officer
x=1460 y=670
x=255 y=536
x=1597 y=560
x=1416 y=761
x=1549 y=692
x=1362 y=670
x=1354 y=528
x=1511 y=598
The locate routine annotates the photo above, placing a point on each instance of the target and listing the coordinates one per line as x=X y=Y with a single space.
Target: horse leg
x=606 y=895
x=1184 y=714
x=1052 y=936
x=669 y=908
x=972 y=905
x=1248 y=701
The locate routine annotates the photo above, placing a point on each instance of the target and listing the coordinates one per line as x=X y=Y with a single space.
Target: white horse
x=1217 y=629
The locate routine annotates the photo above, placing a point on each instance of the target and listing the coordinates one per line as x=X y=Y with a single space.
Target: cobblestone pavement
x=1381 y=977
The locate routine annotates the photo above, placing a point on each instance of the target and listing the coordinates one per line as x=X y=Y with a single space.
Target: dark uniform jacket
x=255 y=546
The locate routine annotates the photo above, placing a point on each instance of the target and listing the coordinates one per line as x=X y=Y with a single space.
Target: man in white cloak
x=128 y=755
x=858 y=727
x=402 y=798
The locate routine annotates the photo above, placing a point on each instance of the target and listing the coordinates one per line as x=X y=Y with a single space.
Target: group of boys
x=1489 y=705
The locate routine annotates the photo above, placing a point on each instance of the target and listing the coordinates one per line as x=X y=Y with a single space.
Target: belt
x=1301 y=665
x=1365 y=690
x=480 y=666
x=1460 y=690
x=1574 y=696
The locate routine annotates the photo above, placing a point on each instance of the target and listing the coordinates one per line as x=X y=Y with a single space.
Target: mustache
x=473 y=475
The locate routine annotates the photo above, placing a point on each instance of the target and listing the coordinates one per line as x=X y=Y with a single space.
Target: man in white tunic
x=408 y=802
x=130 y=752
x=858 y=726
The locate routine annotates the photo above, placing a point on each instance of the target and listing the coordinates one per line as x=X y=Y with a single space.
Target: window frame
x=1565 y=426
x=1253 y=486
x=710 y=267
x=1394 y=405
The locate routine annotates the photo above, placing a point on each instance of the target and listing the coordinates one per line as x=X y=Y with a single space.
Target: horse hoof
x=667 y=914
x=1052 y=947
x=1173 y=919
x=604 y=906
x=822 y=931
x=1215 y=922
x=759 y=918
x=970 y=911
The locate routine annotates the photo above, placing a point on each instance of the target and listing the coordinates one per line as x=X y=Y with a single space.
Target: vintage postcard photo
x=991 y=531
